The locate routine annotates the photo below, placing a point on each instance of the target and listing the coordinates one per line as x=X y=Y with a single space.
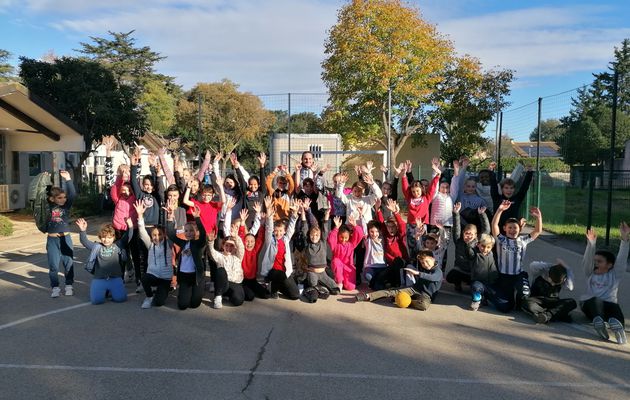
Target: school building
x=33 y=138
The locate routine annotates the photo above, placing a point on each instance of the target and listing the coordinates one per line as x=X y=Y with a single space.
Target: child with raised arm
x=511 y=248
x=544 y=304
x=276 y=264
x=190 y=265
x=282 y=194
x=465 y=243
x=418 y=200
x=394 y=242
x=159 y=263
x=316 y=249
x=428 y=281
x=603 y=273
x=104 y=262
x=508 y=192
x=253 y=241
x=253 y=188
x=228 y=277
x=342 y=241
x=209 y=209
x=59 y=242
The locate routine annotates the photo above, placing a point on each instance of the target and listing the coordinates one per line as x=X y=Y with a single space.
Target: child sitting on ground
x=428 y=282
x=544 y=304
x=229 y=273
x=604 y=272
x=105 y=260
x=511 y=248
x=465 y=243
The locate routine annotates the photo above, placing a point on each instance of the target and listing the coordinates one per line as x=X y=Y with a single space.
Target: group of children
x=298 y=235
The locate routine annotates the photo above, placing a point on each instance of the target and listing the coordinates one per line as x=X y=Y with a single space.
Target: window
x=34 y=164
x=316 y=149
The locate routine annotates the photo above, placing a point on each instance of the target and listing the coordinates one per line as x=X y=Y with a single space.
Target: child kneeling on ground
x=105 y=261
x=428 y=282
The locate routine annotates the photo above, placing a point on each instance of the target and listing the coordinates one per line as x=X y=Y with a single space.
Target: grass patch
x=565 y=212
x=6 y=226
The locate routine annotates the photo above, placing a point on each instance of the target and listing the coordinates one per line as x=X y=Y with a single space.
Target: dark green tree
x=88 y=94
x=550 y=131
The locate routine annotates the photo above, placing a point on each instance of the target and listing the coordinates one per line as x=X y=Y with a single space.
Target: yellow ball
x=403 y=300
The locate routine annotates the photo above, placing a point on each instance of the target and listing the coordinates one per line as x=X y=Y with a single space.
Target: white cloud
x=537 y=41
x=270 y=47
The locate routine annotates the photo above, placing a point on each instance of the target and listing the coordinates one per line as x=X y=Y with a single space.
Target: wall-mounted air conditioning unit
x=12 y=197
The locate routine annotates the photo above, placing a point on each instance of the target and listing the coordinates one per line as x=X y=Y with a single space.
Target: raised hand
x=377 y=204
x=196 y=211
x=384 y=169
x=65 y=175
x=162 y=151
x=298 y=167
x=139 y=207
x=481 y=210
x=262 y=159
x=82 y=224
x=152 y=159
x=257 y=207
x=337 y=221
x=408 y=165
x=464 y=162
x=306 y=204
x=135 y=157
x=591 y=236
x=244 y=214
x=211 y=236
x=234 y=231
x=624 y=229
x=208 y=156
x=392 y=205
x=401 y=168
x=108 y=142
x=129 y=222
x=492 y=166
x=234 y=160
x=351 y=220
x=230 y=203
x=368 y=178
x=435 y=165
x=457 y=207
x=535 y=212
x=294 y=206
x=369 y=167
x=505 y=204
x=218 y=156
x=325 y=168
x=219 y=180
x=268 y=203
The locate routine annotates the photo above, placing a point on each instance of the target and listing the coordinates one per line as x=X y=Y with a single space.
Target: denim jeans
x=99 y=287
x=59 y=249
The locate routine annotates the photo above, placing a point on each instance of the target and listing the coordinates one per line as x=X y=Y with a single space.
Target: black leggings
x=161 y=293
x=222 y=287
x=253 y=289
x=596 y=307
x=280 y=283
x=190 y=290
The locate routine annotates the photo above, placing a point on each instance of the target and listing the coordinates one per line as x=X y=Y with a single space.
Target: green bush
x=6 y=226
x=548 y=164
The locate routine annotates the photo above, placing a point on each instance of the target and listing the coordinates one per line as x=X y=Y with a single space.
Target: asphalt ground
x=65 y=348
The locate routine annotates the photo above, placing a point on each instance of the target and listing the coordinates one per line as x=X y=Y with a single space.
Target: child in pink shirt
x=342 y=241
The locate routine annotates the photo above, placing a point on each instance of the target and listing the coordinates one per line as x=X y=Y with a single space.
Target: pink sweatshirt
x=124 y=207
x=345 y=251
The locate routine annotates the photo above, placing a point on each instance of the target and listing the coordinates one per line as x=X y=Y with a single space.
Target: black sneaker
x=335 y=291
x=542 y=318
x=458 y=287
x=273 y=295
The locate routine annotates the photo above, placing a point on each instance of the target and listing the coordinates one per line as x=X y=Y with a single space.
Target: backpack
x=38 y=195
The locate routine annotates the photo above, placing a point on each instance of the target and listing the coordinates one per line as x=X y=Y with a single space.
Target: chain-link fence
x=581 y=158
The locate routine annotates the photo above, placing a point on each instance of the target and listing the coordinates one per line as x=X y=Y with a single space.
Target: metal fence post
x=613 y=133
x=538 y=179
x=499 y=169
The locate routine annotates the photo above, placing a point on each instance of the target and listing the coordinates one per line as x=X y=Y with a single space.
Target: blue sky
x=276 y=46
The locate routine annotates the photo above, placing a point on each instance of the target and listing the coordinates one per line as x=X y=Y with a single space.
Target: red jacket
x=394 y=245
x=418 y=208
x=250 y=259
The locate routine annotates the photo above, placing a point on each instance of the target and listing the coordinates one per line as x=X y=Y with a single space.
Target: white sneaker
x=69 y=291
x=139 y=288
x=218 y=302
x=147 y=302
x=56 y=291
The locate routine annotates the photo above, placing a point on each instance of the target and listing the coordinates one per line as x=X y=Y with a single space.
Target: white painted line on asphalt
x=42 y=315
x=28 y=319
x=333 y=375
